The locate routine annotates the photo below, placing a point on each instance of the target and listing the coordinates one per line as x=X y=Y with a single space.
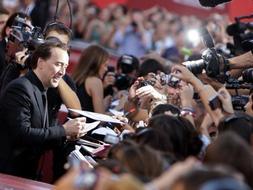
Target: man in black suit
x=24 y=130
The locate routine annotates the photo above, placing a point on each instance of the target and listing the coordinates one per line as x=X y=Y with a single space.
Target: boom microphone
x=212 y=3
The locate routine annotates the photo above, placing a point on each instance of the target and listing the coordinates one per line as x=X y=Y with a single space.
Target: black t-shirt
x=2 y=55
x=54 y=99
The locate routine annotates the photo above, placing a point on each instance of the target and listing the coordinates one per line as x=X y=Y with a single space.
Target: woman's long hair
x=89 y=63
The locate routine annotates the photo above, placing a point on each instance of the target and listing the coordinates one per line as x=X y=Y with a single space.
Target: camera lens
x=247 y=75
x=196 y=67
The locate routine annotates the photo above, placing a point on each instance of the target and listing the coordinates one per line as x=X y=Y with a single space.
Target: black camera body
x=213 y=63
x=169 y=80
x=239 y=101
x=242 y=35
x=145 y=83
x=23 y=36
x=217 y=67
x=215 y=103
x=29 y=36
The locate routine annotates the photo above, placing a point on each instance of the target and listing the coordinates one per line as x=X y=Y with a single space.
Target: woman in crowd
x=87 y=76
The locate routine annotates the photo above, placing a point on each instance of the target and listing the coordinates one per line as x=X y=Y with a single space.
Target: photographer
x=127 y=69
x=8 y=50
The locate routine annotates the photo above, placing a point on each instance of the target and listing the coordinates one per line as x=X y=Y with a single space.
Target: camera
x=247 y=75
x=23 y=36
x=145 y=83
x=29 y=36
x=215 y=103
x=239 y=101
x=128 y=63
x=169 y=80
x=213 y=63
x=242 y=35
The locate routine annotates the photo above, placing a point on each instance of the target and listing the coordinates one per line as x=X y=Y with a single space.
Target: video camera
x=23 y=36
x=242 y=35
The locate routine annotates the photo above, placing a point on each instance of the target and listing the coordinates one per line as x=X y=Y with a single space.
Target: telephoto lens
x=196 y=67
x=247 y=75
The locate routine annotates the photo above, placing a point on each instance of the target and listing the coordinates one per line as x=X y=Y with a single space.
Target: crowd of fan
x=130 y=31
x=170 y=136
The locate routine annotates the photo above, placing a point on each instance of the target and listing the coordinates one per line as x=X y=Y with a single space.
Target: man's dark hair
x=4 y=11
x=150 y=66
x=44 y=50
x=240 y=123
x=128 y=63
x=162 y=108
x=59 y=27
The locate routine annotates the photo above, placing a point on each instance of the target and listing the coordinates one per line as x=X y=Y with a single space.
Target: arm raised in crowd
x=186 y=96
x=206 y=92
x=243 y=61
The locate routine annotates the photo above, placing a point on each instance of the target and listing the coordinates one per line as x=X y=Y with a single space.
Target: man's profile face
x=53 y=69
x=62 y=37
x=3 y=19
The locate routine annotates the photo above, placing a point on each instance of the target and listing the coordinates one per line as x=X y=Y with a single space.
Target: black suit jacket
x=23 y=139
x=2 y=55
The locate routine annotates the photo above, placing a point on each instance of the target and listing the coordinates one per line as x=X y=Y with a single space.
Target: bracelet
x=185 y=113
x=190 y=109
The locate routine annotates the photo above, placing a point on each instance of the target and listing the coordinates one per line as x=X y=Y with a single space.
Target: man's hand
x=75 y=127
x=21 y=56
x=149 y=91
x=225 y=99
x=133 y=88
x=186 y=94
x=182 y=73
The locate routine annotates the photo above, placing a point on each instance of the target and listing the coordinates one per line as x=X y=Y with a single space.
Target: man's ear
x=8 y=31
x=40 y=63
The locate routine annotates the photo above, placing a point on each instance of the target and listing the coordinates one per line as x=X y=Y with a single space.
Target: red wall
x=234 y=8
x=240 y=8
x=172 y=5
x=179 y=8
x=103 y=3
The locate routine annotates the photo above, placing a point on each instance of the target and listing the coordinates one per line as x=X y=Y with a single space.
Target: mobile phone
x=215 y=103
